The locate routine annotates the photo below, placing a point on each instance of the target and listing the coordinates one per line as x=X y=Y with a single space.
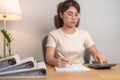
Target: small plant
x=8 y=39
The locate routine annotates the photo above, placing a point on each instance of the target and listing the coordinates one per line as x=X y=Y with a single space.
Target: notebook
x=72 y=68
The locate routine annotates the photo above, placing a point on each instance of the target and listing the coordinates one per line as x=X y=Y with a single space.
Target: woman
x=67 y=40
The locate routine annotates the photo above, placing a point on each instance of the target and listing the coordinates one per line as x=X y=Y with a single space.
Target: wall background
x=100 y=17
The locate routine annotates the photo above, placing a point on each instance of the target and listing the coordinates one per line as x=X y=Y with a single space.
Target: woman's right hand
x=62 y=62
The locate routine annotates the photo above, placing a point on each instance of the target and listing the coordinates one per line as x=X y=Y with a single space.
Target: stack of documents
x=9 y=61
x=73 y=68
x=27 y=67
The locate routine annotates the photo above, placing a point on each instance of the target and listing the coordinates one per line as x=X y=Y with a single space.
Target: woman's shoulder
x=55 y=31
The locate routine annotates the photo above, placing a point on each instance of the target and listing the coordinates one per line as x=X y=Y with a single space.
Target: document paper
x=72 y=68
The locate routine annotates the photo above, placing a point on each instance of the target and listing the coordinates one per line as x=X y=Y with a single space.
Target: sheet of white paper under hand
x=72 y=68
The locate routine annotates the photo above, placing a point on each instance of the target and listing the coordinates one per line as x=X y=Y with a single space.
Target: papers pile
x=73 y=68
x=27 y=67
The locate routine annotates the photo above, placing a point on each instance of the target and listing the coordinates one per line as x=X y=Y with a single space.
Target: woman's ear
x=61 y=15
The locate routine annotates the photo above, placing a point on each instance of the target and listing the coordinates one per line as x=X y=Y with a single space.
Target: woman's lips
x=73 y=22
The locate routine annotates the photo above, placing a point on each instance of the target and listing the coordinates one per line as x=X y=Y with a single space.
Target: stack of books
x=13 y=66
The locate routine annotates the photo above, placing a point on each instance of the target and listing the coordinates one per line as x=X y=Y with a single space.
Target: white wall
x=100 y=17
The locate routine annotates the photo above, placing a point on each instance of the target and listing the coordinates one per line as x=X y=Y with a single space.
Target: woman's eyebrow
x=71 y=12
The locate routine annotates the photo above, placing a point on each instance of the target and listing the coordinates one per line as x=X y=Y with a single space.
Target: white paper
x=72 y=68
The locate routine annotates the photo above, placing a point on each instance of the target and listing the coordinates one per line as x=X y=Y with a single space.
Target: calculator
x=101 y=66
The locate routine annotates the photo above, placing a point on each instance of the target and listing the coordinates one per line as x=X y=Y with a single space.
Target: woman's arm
x=50 y=55
x=50 y=59
x=96 y=55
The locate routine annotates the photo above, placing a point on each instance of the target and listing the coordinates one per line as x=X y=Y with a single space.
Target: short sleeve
x=51 y=41
x=88 y=40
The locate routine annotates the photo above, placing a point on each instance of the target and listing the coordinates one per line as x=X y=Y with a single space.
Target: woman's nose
x=73 y=17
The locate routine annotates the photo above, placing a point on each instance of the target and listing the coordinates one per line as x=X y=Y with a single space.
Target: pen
x=60 y=55
x=63 y=57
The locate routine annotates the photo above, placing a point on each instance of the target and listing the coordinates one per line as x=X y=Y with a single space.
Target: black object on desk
x=101 y=66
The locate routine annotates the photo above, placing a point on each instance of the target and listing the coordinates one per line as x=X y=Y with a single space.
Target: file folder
x=9 y=61
x=39 y=70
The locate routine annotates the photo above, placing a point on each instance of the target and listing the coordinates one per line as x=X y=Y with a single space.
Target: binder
x=22 y=64
x=9 y=61
x=39 y=70
x=24 y=68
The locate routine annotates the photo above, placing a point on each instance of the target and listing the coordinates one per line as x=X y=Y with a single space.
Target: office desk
x=107 y=74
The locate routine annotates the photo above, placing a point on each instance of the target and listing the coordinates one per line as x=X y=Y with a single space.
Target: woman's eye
x=76 y=14
x=70 y=14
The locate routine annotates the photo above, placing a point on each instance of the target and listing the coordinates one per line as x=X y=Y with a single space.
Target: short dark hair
x=62 y=7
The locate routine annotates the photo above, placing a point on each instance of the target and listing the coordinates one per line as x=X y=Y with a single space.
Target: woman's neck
x=68 y=30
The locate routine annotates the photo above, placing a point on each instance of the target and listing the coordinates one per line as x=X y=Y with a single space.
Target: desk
x=107 y=74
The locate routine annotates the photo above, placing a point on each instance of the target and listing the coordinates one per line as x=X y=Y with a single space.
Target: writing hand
x=62 y=61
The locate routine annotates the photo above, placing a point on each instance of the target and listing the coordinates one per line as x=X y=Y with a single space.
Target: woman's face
x=70 y=17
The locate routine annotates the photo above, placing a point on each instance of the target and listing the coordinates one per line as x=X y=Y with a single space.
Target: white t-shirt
x=70 y=45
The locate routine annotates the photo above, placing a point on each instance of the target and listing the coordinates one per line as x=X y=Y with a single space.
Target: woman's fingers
x=62 y=62
x=100 y=58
